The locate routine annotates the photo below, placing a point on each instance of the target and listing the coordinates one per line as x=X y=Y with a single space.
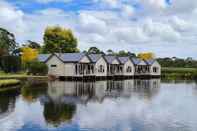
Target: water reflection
x=7 y=102
x=60 y=101
x=83 y=92
x=31 y=93
x=137 y=105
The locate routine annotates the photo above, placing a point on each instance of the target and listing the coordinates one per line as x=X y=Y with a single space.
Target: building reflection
x=62 y=97
x=84 y=92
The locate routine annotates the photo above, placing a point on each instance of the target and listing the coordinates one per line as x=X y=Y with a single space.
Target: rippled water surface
x=128 y=105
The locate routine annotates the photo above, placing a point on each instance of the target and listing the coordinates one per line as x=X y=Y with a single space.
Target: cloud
x=12 y=18
x=90 y=24
x=160 y=30
x=136 y=29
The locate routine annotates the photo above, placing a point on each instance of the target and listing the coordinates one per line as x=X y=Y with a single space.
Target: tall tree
x=58 y=39
x=7 y=42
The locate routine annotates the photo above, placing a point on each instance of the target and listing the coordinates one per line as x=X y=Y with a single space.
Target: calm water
x=129 y=105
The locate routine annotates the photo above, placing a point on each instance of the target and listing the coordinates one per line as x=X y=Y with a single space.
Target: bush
x=37 y=68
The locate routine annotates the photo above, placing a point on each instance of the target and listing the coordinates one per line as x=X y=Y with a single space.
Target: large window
x=101 y=69
x=129 y=69
x=155 y=69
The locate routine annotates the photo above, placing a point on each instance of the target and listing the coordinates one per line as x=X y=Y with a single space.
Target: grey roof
x=95 y=57
x=136 y=61
x=110 y=59
x=70 y=57
x=43 y=57
x=123 y=60
x=150 y=62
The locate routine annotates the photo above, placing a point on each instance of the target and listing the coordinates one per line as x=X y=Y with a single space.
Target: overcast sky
x=165 y=27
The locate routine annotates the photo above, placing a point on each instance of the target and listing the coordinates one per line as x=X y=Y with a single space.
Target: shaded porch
x=84 y=69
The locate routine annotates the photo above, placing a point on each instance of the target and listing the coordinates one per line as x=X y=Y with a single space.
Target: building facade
x=80 y=65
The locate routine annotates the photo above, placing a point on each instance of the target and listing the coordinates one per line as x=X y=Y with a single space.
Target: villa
x=91 y=66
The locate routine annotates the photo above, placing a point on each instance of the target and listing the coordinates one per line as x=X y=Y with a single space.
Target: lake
x=125 y=105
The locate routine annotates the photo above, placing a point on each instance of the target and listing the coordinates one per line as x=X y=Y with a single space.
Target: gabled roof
x=43 y=57
x=70 y=57
x=95 y=57
x=150 y=62
x=109 y=59
x=136 y=61
x=123 y=60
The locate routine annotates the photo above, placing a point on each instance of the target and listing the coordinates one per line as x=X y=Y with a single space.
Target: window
x=129 y=69
x=101 y=68
x=155 y=69
x=53 y=65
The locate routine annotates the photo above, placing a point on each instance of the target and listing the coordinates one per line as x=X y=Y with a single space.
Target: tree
x=94 y=50
x=146 y=56
x=110 y=52
x=57 y=39
x=28 y=54
x=122 y=53
x=7 y=42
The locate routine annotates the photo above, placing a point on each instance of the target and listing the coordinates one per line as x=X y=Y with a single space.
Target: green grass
x=9 y=82
x=20 y=75
x=178 y=70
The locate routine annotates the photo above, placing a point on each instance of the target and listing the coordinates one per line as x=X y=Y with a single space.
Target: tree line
x=14 y=56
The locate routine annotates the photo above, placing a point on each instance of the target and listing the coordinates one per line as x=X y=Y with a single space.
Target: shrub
x=37 y=68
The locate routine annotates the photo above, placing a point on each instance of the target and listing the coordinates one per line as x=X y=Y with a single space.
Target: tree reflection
x=31 y=93
x=7 y=102
x=56 y=114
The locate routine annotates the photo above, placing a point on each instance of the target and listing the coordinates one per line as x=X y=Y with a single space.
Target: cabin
x=128 y=66
x=141 y=67
x=114 y=67
x=100 y=65
x=154 y=66
x=82 y=65
x=70 y=65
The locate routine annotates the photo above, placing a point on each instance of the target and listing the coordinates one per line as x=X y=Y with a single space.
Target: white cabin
x=128 y=66
x=98 y=65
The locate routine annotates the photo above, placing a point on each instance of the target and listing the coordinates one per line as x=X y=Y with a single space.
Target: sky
x=166 y=27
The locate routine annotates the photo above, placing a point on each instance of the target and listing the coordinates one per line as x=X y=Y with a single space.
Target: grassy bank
x=9 y=82
x=19 y=76
x=179 y=73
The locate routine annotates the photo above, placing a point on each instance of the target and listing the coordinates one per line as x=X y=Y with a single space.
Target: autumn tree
x=146 y=56
x=7 y=42
x=28 y=54
x=58 y=39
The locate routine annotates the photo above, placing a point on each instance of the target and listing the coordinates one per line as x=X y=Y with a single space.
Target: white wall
x=59 y=69
x=126 y=65
x=115 y=61
x=157 y=65
x=85 y=60
x=102 y=62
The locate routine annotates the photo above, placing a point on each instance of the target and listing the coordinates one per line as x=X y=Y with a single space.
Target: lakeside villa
x=92 y=66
